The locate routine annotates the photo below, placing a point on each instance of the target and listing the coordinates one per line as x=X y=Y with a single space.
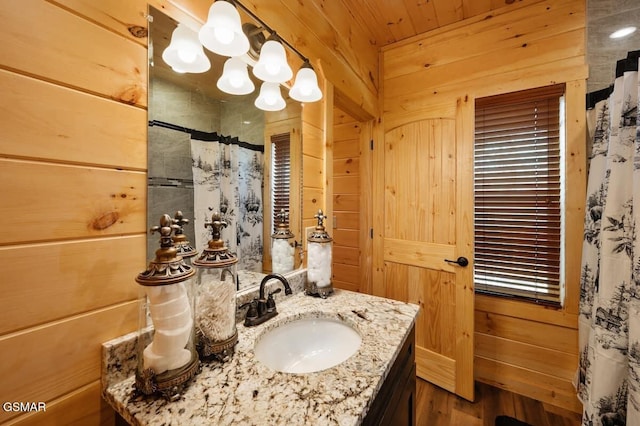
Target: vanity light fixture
x=222 y=33
x=622 y=32
x=235 y=78
x=305 y=88
x=185 y=53
x=270 y=98
x=272 y=66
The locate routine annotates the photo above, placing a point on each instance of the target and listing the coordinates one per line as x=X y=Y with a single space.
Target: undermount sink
x=307 y=345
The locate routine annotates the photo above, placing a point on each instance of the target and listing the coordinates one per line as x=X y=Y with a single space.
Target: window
x=518 y=196
x=281 y=175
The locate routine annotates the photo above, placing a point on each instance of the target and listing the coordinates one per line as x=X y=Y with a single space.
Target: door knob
x=462 y=261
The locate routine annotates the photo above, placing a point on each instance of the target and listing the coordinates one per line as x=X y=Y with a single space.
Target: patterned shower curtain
x=228 y=178
x=608 y=379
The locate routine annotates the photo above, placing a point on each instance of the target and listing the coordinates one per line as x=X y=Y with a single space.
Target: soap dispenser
x=180 y=241
x=166 y=354
x=282 y=246
x=216 y=296
x=319 y=248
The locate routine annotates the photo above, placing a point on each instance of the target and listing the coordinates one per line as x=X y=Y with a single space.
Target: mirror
x=210 y=151
x=603 y=18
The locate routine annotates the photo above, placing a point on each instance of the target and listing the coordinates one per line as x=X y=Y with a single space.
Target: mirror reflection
x=209 y=152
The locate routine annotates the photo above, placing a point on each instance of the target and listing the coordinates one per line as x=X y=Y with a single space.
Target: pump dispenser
x=319 y=260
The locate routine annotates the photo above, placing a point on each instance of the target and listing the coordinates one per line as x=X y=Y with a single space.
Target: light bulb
x=187 y=55
x=270 y=98
x=235 y=80
x=224 y=35
x=306 y=89
x=623 y=32
x=272 y=67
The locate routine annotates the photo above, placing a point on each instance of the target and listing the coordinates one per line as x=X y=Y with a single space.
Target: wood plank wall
x=346 y=201
x=524 y=348
x=73 y=172
x=72 y=167
x=317 y=152
x=352 y=200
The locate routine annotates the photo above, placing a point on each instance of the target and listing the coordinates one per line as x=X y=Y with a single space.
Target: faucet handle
x=276 y=291
x=252 y=312
x=271 y=303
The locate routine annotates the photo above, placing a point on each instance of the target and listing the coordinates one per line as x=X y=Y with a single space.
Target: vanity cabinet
x=395 y=403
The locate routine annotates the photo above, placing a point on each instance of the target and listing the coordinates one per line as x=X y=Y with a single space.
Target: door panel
x=427 y=203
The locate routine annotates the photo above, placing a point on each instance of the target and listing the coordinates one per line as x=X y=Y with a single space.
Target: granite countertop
x=243 y=391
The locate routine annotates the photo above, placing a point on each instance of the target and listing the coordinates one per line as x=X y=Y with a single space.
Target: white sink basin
x=307 y=345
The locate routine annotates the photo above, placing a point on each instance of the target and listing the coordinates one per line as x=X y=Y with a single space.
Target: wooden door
x=428 y=217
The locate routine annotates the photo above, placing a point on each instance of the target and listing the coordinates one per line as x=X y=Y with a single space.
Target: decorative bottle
x=282 y=246
x=167 y=356
x=319 y=248
x=216 y=296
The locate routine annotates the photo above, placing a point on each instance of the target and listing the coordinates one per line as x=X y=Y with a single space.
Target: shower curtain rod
x=207 y=136
x=630 y=63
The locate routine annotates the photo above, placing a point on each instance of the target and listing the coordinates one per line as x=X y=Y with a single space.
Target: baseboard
x=529 y=383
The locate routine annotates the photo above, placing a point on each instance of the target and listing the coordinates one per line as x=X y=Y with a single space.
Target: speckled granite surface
x=245 y=392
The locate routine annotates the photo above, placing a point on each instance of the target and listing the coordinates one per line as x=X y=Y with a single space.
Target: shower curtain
x=228 y=178
x=608 y=378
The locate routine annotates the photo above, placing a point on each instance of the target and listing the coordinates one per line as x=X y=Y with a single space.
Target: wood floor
x=437 y=407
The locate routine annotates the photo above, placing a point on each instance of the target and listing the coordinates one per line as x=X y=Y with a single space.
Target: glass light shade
x=185 y=53
x=305 y=88
x=235 y=78
x=222 y=33
x=272 y=65
x=270 y=98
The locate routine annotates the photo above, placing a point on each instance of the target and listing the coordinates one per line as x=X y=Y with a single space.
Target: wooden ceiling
x=394 y=20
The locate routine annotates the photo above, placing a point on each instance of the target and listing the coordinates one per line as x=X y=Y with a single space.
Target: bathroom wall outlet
x=307 y=231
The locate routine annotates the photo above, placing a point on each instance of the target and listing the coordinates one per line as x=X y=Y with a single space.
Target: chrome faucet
x=263 y=309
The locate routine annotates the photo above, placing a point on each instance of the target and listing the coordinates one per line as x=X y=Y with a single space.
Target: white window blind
x=281 y=174
x=517 y=185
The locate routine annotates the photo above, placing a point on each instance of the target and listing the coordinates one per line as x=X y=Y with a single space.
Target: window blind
x=281 y=174
x=517 y=186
